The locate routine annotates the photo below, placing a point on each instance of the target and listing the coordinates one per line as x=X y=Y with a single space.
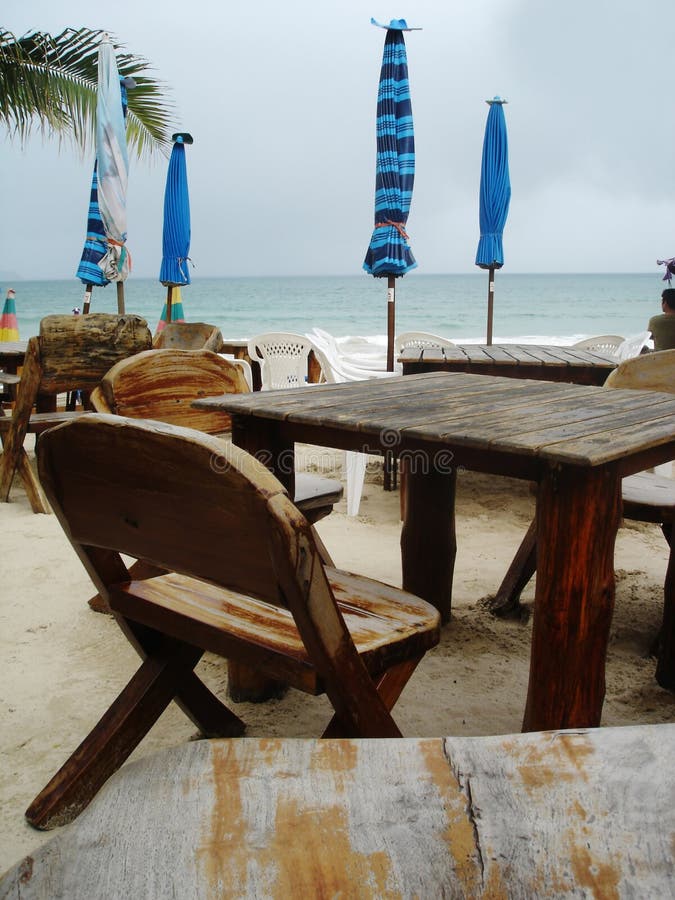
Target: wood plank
x=582 y=813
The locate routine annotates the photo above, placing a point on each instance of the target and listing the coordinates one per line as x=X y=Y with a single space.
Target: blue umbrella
x=176 y=231
x=389 y=253
x=495 y=196
x=95 y=244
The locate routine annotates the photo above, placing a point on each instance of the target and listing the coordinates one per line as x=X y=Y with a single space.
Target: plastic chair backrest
x=420 y=340
x=284 y=359
x=604 y=343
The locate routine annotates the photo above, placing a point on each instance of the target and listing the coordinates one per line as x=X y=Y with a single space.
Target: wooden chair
x=162 y=385
x=189 y=336
x=244 y=580
x=70 y=353
x=646 y=497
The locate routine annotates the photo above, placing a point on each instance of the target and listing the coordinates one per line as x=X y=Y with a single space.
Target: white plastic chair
x=283 y=358
x=633 y=346
x=420 y=340
x=605 y=343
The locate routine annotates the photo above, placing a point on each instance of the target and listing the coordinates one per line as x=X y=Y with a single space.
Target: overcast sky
x=280 y=99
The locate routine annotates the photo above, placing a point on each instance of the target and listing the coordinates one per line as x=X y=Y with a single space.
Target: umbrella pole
x=120 y=298
x=87 y=298
x=169 y=301
x=391 y=317
x=491 y=297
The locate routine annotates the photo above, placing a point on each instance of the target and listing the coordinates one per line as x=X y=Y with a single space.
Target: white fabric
x=112 y=163
x=633 y=346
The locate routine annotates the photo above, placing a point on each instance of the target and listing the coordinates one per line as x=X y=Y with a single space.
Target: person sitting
x=663 y=327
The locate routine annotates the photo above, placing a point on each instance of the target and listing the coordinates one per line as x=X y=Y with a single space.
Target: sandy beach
x=63 y=663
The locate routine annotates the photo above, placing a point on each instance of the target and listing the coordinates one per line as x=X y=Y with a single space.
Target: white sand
x=62 y=664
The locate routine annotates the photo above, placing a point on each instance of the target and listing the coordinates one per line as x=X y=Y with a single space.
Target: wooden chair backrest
x=186 y=502
x=162 y=384
x=647 y=372
x=189 y=336
x=75 y=352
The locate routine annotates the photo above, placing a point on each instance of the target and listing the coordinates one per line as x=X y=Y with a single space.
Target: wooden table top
x=13 y=349
x=550 y=363
x=553 y=422
x=555 y=814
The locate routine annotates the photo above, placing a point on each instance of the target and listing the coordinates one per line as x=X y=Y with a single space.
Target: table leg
x=428 y=542
x=260 y=439
x=578 y=514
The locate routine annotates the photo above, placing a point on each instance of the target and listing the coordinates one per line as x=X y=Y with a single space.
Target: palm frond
x=49 y=83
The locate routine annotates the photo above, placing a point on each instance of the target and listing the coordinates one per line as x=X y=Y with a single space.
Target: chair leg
x=115 y=736
x=506 y=602
x=389 y=686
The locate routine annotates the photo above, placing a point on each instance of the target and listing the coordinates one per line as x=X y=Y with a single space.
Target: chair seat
x=218 y=620
x=648 y=497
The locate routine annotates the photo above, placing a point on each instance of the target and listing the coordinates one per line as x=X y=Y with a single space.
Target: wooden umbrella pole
x=491 y=297
x=391 y=318
x=120 y=297
x=87 y=298
x=169 y=301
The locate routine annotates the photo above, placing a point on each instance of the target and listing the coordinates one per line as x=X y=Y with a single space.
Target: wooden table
x=576 y=441
x=541 y=362
x=561 y=814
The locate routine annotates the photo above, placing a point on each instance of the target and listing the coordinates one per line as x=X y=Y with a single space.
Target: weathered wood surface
x=189 y=336
x=514 y=421
x=557 y=815
x=547 y=363
x=252 y=587
x=77 y=351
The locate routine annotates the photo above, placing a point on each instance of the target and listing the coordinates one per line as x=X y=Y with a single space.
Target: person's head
x=668 y=299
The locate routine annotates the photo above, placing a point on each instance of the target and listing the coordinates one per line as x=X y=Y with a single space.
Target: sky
x=281 y=99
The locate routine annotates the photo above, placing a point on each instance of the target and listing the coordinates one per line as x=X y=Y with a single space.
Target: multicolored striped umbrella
x=176 y=313
x=174 y=270
x=9 y=326
x=96 y=245
x=495 y=196
x=389 y=253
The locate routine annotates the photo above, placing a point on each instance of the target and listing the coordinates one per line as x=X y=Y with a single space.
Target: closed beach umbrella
x=112 y=169
x=95 y=244
x=9 y=327
x=389 y=254
x=174 y=271
x=495 y=196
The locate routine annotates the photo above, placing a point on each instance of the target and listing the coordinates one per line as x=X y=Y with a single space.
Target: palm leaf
x=50 y=83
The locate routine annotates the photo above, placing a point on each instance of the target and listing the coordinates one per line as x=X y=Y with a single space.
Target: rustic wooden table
x=576 y=441
x=541 y=362
x=561 y=814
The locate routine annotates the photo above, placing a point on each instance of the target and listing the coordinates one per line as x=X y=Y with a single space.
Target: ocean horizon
x=535 y=308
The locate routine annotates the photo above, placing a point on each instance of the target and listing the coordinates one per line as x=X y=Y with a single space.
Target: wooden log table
x=576 y=441
x=540 y=362
x=558 y=814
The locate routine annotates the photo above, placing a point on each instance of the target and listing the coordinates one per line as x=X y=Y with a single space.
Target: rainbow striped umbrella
x=9 y=327
x=389 y=253
x=177 y=313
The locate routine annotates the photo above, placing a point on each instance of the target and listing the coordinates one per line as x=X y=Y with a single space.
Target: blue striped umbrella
x=95 y=244
x=389 y=253
x=495 y=196
x=176 y=231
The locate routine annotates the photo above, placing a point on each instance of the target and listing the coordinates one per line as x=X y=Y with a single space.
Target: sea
x=535 y=308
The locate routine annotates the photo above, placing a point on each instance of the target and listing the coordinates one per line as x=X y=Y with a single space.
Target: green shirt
x=663 y=331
